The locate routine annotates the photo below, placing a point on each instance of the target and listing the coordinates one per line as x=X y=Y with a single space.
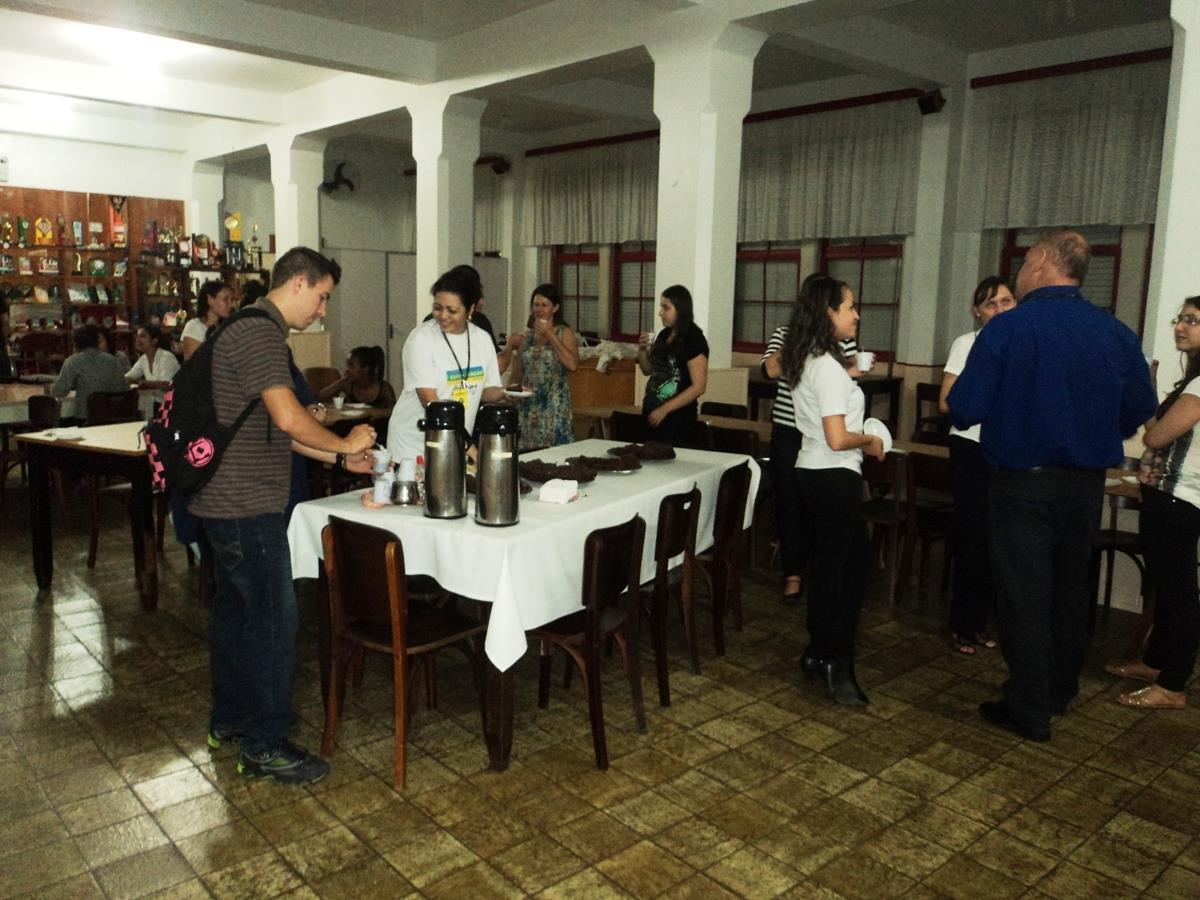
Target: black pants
x=838 y=556
x=1169 y=530
x=974 y=595
x=785 y=444
x=1042 y=525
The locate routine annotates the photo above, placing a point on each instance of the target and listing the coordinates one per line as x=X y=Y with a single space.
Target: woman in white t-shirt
x=1169 y=524
x=445 y=358
x=157 y=365
x=214 y=302
x=974 y=595
x=828 y=409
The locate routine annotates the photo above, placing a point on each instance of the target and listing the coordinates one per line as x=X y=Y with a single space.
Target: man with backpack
x=254 y=616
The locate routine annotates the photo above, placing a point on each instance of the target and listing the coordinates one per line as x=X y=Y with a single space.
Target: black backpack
x=184 y=440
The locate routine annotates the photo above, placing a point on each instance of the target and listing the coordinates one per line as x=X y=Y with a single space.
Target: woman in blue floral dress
x=542 y=358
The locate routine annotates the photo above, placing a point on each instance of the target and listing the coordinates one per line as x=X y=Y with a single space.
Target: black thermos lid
x=497 y=418
x=442 y=414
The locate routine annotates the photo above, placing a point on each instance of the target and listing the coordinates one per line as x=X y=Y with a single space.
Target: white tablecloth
x=532 y=572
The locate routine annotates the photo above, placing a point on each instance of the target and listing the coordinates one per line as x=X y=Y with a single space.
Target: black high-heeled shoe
x=843 y=686
x=811 y=665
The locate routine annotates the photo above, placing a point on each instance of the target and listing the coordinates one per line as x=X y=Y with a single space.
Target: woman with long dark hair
x=828 y=408
x=1169 y=525
x=543 y=357
x=214 y=302
x=677 y=363
x=974 y=596
x=363 y=381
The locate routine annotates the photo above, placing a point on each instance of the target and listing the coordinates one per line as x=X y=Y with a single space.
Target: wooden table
x=115 y=450
x=602 y=414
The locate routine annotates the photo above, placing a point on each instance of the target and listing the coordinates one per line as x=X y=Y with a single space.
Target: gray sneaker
x=289 y=765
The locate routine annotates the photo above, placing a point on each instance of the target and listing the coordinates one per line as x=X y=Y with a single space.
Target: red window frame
x=1012 y=250
x=567 y=254
x=863 y=252
x=621 y=255
x=763 y=255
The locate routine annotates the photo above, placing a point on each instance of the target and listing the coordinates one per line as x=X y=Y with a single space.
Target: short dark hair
x=86 y=336
x=371 y=359
x=470 y=272
x=207 y=291
x=1069 y=252
x=987 y=289
x=154 y=333
x=461 y=284
x=252 y=291
x=304 y=261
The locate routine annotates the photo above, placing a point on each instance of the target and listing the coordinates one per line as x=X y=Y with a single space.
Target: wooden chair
x=888 y=510
x=722 y=565
x=929 y=418
x=627 y=427
x=1111 y=540
x=728 y=410
x=110 y=407
x=369 y=609
x=321 y=377
x=678 y=515
x=933 y=507
x=612 y=567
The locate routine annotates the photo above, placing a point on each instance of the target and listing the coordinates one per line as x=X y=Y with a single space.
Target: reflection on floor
x=751 y=784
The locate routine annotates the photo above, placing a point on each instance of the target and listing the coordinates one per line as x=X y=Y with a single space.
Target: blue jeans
x=1041 y=526
x=254 y=623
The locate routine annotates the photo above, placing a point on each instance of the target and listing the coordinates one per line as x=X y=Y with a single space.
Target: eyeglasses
x=1191 y=320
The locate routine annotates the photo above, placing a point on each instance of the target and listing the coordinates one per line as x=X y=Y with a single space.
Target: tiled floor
x=752 y=783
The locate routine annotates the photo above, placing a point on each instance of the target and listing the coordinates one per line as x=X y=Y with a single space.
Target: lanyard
x=462 y=373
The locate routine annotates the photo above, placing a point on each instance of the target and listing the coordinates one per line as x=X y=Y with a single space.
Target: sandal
x=1154 y=697
x=963 y=645
x=1133 y=668
x=984 y=640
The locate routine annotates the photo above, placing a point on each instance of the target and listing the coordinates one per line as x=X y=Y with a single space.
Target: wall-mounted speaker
x=931 y=102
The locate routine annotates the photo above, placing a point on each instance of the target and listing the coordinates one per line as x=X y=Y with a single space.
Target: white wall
x=377 y=214
x=63 y=165
x=248 y=191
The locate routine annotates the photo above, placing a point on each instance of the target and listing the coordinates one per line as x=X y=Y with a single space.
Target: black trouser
x=974 y=594
x=838 y=556
x=1042 y=524
x=785 y=444
x=1169 y=530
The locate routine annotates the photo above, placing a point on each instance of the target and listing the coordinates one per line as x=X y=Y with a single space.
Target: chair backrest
x=733 y=440
x=109 y=407
x=365 y=569
x=44 y=411
x=890 y=480
x=1117 y=502
x=732 y=494
x=930 y=420
x=729 y=410
x=628 y=427
x=677 y=518
x=612 y=573
x=321 y=377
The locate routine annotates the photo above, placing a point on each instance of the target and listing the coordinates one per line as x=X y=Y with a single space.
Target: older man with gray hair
x=1057 y=384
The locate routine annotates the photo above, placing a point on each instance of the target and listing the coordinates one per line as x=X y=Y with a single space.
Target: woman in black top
x=677 y=364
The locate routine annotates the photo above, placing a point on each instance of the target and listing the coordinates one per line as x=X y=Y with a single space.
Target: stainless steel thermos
x=497 y=484
x=445 y=460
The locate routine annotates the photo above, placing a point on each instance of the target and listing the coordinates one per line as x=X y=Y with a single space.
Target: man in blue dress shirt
x=1057 y=384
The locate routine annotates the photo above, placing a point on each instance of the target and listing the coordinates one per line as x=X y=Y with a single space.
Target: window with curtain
x=576 y=271
x=871 y=267
x=634 y=304
x=489 y=210
x=1083 y=147
x=766 y=282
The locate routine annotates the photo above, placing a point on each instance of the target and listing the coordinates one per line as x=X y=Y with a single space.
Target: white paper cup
x=408 y=470
x=864 y=360
x=339 y=401
x=383 y=458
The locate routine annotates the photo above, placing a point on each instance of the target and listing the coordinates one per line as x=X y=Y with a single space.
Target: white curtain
x=489 y=210
x=1073 y=150
x=846 y=173
x=598 y=195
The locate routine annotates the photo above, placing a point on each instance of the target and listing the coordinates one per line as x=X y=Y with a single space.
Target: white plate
x=521 y=394
x=347 y=413
x=875 y=428
x=356 y=406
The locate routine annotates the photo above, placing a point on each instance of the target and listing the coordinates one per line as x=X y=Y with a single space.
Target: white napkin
x=559 y=490
x=72 y=433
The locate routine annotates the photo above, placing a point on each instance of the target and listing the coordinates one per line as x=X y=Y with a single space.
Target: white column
x=207 y=192
x=702 y=87
x=297 y=170
x=445 y=138
x=1175 y=268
